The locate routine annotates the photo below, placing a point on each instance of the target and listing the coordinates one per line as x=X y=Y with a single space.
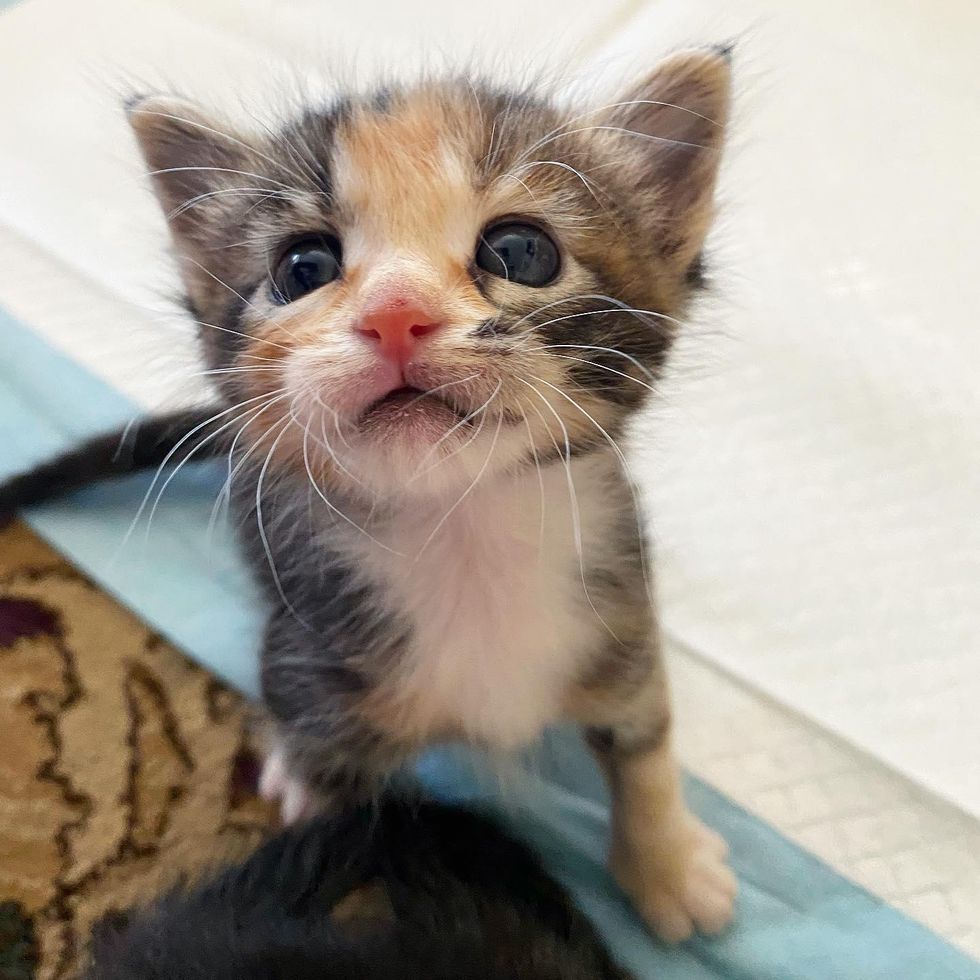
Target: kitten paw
x=296 y=801
x=682 y=885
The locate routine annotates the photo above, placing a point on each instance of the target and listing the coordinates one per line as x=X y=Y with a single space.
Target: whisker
x=442 y=387
x=553 y=303
x=587 y=183
x=336 y=420
x=220 y=282
x=224 y=494
x=464 y=494
x=268 y=197
x=124 y=437
x=502 y=117
x=193 y=202
x=604 y=367
x=241 y=355
x=226 y=136
x=280 y=138
x=619 y=308
x=229 y=330
x=493 y=135
x=188 y=435
x=458 y=425
x=573 y=500
x=285 y=422
x=242 y=369
x=630 y=482
x=235 y=292
x=222 y=170
x=537 y=466
x=333 y=507
x=559 y=131
x=530 y=193
x=459 y=449
x=335 y=459
x=173 y=473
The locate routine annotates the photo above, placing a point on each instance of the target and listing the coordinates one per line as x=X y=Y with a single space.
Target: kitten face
x=406 y=292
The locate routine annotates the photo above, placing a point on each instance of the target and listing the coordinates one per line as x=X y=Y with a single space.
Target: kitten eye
x=519 y=253
x=307 y=265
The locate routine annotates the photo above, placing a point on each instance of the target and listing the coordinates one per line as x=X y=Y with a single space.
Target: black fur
x=138 y=448
x=461 y=901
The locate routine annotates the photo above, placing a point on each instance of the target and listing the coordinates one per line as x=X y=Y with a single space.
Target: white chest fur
x=501 y=622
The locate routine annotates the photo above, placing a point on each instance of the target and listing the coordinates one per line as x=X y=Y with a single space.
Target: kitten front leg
x=309 y=779
x=672 y=866
x=322 y=753
x=278 y=784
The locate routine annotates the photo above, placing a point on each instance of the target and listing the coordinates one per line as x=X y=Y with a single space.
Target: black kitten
x=397 y=891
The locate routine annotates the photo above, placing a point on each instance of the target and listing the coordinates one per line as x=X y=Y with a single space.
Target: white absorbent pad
x=815 y=465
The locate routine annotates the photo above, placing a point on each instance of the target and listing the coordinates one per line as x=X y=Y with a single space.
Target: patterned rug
x=122 y=765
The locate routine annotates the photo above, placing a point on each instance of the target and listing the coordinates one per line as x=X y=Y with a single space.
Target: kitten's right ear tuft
x=153 y=104
x=131 y=101
x=726 y=50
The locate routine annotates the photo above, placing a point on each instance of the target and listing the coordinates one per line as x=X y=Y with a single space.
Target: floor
x=124 y=766
x=822 y=609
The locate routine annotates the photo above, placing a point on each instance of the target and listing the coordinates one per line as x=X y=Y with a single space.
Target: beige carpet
x=121 y=763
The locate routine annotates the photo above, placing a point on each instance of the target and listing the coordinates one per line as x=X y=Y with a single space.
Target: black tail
x=144 y=444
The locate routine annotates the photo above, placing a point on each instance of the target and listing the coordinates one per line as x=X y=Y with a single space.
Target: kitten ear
x=677 y=116
x=197 y=165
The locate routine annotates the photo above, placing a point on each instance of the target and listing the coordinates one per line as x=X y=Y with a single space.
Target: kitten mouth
x=406 y=402
x=402 y=396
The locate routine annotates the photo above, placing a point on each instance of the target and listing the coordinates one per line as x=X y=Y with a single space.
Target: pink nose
x=396 y=326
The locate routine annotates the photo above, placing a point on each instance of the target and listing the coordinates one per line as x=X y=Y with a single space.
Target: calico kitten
x=429 y=315
x=395 y=891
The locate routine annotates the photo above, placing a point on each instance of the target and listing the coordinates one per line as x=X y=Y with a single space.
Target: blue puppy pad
x=797 y=919
x=182 y=578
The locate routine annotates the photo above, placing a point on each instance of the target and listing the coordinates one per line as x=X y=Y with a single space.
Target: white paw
x=681 y=885
x=296 y=802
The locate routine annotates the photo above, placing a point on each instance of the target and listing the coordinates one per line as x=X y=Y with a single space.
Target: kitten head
x=410 y=290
